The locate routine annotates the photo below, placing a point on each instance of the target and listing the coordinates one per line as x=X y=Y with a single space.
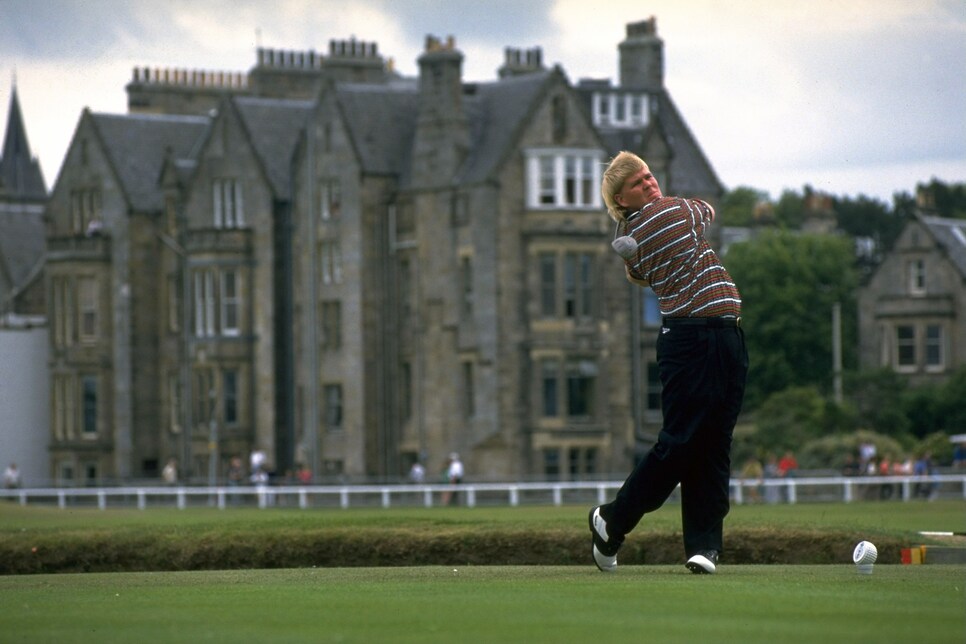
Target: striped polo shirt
x=676 y=260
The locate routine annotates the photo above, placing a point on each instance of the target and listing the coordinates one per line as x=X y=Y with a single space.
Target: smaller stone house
x=912 y=312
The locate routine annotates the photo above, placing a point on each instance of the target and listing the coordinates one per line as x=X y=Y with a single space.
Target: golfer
x=702 y=361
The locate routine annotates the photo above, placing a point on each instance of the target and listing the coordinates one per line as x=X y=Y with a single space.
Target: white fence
x=793 y=490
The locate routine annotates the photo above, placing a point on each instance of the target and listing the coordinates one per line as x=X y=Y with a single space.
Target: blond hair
x=618 y=170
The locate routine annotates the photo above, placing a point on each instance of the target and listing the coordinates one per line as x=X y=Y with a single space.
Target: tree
x=863 y=217
x=790 y=210
x=878 y=399
x=948 y=200
x=789 y=283
x=738 y=206
x=789 y=419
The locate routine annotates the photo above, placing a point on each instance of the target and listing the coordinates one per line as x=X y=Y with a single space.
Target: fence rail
x=792 y=490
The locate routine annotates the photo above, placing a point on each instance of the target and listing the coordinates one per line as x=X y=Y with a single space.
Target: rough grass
x=48 y=540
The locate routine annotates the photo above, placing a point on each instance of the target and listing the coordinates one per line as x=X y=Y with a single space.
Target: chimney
x=517 y=62
x=442 y=132
x=642 y=56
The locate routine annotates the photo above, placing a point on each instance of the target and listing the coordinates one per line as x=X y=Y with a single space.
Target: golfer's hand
x=632 y=279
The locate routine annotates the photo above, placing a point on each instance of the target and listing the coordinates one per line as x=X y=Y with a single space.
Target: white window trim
x=941 y=366
x=559 y=156
x=916 y=269
x=627 y=101
x=230 y=301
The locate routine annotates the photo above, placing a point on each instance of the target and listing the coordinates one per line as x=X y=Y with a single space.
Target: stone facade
x=912 y=312
x=353 y=271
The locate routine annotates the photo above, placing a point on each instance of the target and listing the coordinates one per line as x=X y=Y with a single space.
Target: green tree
x=738 y=206
x=878 y=399
x=790 y=210
x=869 y=218
x=937 y=408
x=949 y=199
x=789 y=283
x=789 y=419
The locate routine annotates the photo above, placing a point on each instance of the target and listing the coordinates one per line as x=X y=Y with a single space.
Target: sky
x=850 y=97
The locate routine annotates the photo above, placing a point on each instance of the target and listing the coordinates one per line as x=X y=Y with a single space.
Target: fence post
x=385 y=497
x=471 y=497
x=739 y=493
x=181 y=499
x=514 y=496
x=141 y=502
x=101 y=500
x=303 y=498
x=557 y=496
x=344 y=498
x=792 y=492
x=847 y=491
x=428 y=497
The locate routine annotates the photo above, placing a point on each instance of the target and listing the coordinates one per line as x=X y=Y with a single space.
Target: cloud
x=783 y=92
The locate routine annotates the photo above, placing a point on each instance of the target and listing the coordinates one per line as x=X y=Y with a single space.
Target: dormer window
x=620 y=109
x=227 y=203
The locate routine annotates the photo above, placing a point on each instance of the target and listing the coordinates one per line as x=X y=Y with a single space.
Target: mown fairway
x=786 y=604
x=481 y=603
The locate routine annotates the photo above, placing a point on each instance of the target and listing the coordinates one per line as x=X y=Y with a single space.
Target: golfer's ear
x=619 y=200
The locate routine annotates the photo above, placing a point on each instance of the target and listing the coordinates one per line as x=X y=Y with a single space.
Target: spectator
x=867 y=452
x=236 y=473
x=11 y=477
x=303 y=474
x=170 y=472
x=851 y=467
x=787 y=467
x=771 y=472
x=885 y=469
x=959 y=456
x=752 y=470
x=924 y=468
x=454 y=476
x=417 y=473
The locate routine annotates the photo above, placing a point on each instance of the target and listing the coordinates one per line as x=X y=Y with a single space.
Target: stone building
x=24 y=415
x=912 y=312
x=354 y=270
x=22 y=196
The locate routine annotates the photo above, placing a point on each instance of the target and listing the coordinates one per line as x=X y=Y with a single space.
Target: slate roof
x=690 y=172
x=274 y=127
x=381 y=121
x=951 y=236
x=22 y=246
x=496 y=111
x=20 y=174
x=135 y=145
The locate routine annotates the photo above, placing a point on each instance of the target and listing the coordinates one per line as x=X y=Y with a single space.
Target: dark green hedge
x=145 y=551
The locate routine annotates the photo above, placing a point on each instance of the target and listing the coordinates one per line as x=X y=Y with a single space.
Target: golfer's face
x=640 y=189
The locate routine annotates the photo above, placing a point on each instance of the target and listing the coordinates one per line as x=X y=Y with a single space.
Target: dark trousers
x=703 y=371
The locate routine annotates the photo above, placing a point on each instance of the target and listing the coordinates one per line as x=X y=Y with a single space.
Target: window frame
x=555 y=178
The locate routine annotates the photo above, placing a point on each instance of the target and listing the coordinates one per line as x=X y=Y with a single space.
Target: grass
x=891 y=517
x=483 y=603
x=747 y=604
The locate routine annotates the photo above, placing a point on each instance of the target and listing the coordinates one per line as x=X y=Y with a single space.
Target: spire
x=20 y=174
